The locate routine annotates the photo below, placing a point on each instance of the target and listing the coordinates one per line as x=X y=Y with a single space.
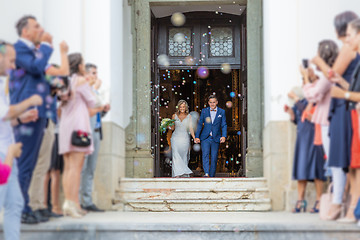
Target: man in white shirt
x=10 y=194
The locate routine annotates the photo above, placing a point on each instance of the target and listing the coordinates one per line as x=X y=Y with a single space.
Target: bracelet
x=19 y=121
x=347 y=95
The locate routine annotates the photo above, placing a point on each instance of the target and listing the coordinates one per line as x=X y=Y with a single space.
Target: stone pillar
x=139 y=161
x=254 y=157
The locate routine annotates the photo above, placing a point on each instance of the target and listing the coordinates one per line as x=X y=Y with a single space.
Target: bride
x=180 y=140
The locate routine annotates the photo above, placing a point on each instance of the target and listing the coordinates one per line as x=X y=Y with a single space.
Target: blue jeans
x=87 y=173
x=12 y=200
x=209 y=146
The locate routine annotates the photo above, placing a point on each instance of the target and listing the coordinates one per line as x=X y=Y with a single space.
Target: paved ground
x=190 y=225
x=278 y=218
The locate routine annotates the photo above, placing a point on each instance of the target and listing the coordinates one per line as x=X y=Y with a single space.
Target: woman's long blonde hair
x=180 y=102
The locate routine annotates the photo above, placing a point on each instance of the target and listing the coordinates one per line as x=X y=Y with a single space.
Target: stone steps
x=201 y=193
x=192 y=194
x=199 y=205
x=190 y=183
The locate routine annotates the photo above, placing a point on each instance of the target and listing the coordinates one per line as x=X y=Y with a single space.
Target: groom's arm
x=199 y=126
x=223 y=125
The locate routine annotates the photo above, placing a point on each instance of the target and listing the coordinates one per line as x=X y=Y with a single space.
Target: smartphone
x=305 y=63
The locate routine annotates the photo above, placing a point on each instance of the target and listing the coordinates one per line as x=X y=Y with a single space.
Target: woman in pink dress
x=75 y=117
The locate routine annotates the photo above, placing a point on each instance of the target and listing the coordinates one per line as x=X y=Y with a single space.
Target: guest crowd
x=50 y=123
x=326 y=112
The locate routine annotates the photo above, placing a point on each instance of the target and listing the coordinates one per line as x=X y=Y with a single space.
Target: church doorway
x=209 y=59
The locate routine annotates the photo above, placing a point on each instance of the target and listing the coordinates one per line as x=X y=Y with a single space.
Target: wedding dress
x=180 y=144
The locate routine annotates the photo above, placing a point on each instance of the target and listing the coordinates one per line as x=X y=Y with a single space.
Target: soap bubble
x=140 y=137
x=196 y=147
x=49 y=99
x=178 y=19
x=232 y=94
x=203 y=72
x=19 y=73
x=239 y=133
x=163 y=60
x=40 y=87
x=39 y=55
x=229 y=104
x=225 y=68
x=49 y=114
x=26 y=131
x=179 y=37
x=194 y=119
x=208 y=120
x=189 y=60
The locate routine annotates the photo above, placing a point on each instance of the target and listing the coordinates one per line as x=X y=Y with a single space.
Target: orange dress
x=355 y=143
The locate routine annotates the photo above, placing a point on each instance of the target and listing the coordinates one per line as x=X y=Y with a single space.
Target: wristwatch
x=347 y=95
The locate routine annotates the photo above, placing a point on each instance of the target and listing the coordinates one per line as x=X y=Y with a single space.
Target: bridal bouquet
x=165 y=123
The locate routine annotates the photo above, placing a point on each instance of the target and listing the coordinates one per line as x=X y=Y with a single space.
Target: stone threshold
x=202 y=226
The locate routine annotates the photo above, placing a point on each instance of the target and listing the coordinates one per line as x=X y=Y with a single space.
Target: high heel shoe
x=300 y=206
x=315 y=209
x=347 y=219
x=69 y=209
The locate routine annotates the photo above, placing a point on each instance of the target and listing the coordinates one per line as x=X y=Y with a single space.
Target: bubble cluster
x=41 y=87
x=196 y=147
x=208 y=120
x=140 y=137
x=225 y=68
x=203 y=72
x=229 y=104
x=179 y=37
x=163 y=60
x=178 y=19
x=26 y=131
x=189 y=61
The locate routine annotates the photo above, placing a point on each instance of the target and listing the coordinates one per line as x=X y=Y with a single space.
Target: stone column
x=139 y=161
x=254 y=157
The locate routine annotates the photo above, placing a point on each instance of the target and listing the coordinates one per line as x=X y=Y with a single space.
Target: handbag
x=80 y=139
x=325 y=203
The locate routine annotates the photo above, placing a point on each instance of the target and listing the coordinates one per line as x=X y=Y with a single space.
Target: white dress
x=180 y=144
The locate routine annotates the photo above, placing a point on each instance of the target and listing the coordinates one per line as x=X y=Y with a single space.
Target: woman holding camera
x=309 y=154
x=339 y=116
x=319 y=92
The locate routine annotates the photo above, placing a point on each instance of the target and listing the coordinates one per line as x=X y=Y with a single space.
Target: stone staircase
x=193 y=194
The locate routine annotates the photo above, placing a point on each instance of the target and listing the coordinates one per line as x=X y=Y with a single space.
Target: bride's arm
x=191 y=128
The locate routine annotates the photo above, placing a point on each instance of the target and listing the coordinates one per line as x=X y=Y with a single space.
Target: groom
x=213 y=133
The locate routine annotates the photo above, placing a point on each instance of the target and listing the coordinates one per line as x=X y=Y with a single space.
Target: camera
x=305 y=63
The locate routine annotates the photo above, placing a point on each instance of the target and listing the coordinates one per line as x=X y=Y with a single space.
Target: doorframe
x=139 y=159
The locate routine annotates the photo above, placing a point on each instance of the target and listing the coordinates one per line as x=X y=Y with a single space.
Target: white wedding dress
x=180 y=144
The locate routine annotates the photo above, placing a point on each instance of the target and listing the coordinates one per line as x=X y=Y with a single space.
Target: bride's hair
x=180 y=102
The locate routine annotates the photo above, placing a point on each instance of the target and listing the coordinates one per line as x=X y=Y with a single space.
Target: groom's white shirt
x=213 y=115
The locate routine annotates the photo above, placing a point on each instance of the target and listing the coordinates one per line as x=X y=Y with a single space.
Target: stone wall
x=110 y=165
x=279 y=144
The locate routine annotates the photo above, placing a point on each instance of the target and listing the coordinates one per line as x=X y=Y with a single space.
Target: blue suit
x=26 y=80
x=210 y=133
